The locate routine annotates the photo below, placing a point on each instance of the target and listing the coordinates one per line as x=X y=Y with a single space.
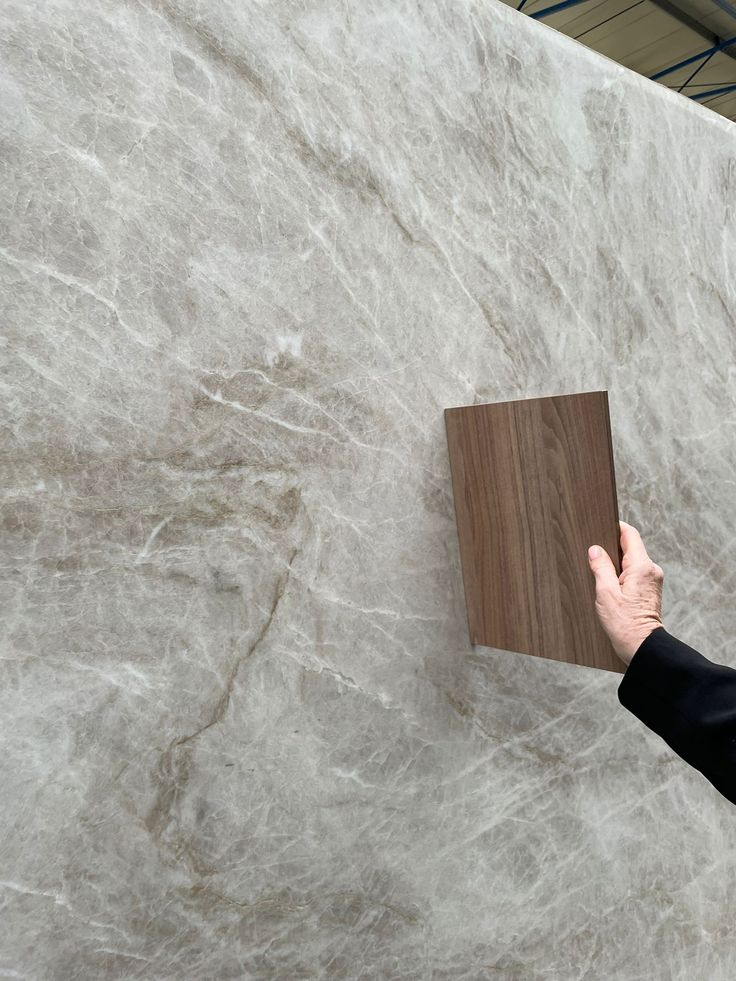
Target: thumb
x=603 y=569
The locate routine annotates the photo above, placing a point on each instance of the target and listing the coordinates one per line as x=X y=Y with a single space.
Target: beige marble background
x=249 y=253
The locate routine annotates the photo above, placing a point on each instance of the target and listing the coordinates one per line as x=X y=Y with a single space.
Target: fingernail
x=593 y=552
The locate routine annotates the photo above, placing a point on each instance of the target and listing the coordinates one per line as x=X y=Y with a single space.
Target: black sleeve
x=687 y=700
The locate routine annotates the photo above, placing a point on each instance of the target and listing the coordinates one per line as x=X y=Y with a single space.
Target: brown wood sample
x=534 y=485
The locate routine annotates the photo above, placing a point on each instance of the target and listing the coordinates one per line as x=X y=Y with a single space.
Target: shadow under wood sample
x=534 y=485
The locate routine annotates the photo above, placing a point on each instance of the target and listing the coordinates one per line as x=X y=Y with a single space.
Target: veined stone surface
x=250 y=251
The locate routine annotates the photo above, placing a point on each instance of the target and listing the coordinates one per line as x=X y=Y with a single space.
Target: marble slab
x=250 y=252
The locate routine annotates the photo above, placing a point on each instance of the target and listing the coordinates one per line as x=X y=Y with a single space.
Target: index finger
x=632 y=545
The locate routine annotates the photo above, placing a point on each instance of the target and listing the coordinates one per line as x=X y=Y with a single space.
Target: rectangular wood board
x=534 y=485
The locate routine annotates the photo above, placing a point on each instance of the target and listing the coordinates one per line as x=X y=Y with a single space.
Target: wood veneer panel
x=534 y=485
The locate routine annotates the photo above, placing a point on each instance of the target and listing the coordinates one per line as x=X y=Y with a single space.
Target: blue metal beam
x=696 y=26
x=695 y=72
x=713 y=92
x=548 y=11
x=728 y=7
x=691 y=61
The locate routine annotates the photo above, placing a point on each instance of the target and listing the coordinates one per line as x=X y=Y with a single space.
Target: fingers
x=632 y=545
x=606 y=579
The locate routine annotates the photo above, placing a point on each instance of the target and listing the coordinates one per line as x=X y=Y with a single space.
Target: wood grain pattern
x=534 y=485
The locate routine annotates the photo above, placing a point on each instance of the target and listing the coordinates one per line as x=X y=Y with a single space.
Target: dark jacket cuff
x=689 y=701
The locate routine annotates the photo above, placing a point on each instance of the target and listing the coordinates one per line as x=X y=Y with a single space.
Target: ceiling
x=653 y=36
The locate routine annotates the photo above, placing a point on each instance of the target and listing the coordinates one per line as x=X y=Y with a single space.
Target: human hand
x=629 y=606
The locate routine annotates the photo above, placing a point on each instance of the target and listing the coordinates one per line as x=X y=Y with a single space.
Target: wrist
x=637 y=638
